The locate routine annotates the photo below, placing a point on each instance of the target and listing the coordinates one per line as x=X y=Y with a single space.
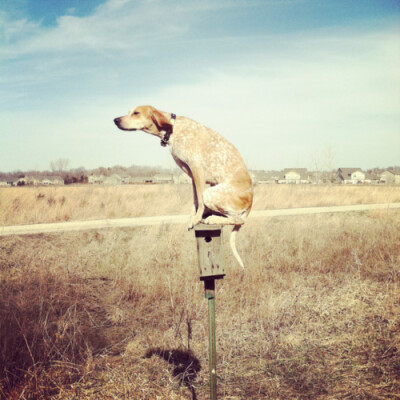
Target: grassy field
x=30 y=205
x=121 y=314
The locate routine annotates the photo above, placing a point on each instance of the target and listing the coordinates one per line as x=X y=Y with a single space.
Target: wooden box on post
x=210 y=251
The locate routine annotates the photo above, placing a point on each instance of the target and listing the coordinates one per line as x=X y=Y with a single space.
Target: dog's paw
x=192 y=223
x=212 y=220
x=195 y=220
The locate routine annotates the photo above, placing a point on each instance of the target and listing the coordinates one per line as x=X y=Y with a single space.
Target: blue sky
x=292 y=83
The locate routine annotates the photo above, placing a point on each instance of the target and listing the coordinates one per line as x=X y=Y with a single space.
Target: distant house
x=21 y=181
x=95 y=179
x=294 y=176
x=264 y=177
x=51 y=180
x=141 y=179
x=112 y=180
x=371 y=178
x=391 y=177
x=163 y=178
x=350 y=176
x=32 y=181
x=57 y=180
x=4 y=183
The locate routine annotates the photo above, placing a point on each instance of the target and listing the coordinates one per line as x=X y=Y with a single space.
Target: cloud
x=279 y=97
x=339 y=92
x=116 y=25
x=284 y=110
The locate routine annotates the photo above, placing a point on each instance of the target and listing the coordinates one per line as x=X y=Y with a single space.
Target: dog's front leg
x=198 y=190
x=195 y=201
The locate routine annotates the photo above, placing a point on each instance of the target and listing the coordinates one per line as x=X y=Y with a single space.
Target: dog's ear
x=160 y=121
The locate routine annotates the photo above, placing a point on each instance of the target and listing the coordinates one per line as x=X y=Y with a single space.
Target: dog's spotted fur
x=207 y=158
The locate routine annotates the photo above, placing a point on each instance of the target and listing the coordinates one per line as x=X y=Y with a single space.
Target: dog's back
x=219 y=159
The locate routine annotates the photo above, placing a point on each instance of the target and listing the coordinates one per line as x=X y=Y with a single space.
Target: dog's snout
x=117 y=121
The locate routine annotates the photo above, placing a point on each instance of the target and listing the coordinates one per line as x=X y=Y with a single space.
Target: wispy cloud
x=339 y=92
x=279 y=96
x=115 y=25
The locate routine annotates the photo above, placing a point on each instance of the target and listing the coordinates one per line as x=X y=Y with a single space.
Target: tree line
x=59 y=168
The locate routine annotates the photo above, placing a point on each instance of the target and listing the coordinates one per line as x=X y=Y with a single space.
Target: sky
x=291 y=83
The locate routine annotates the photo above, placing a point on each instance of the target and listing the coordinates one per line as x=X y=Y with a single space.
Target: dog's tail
x=232 y=241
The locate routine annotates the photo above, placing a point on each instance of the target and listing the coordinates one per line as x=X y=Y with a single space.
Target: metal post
x=211 y=267
x=209 y=288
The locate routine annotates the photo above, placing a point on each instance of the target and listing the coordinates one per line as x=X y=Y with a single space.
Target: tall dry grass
x=290 y=196
x=30 y=205
x=121 y=313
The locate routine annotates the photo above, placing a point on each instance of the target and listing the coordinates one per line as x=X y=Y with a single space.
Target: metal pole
x=211 y=267
x=209 y=287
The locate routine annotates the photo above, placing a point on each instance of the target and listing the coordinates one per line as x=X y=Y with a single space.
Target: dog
x=208 y=158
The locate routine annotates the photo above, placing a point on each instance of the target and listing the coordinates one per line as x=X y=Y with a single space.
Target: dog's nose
x=117 y=121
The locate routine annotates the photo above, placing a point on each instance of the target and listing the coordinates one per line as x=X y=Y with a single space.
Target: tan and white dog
x=207 y=158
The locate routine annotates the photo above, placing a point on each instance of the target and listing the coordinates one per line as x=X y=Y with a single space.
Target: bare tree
x=59 y=165
x=329 y=158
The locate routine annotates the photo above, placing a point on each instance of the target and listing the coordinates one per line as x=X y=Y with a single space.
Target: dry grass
x=290 y=196
x=121 y=314
x=30 y=205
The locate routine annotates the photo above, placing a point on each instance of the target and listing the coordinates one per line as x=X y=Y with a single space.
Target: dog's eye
x=136 y=113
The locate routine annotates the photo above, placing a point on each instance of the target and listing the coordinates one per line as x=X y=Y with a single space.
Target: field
x=121 y=314
x=30 y=205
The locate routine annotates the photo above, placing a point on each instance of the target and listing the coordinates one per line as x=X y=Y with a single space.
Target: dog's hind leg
x=231 y=209
x=228 y=203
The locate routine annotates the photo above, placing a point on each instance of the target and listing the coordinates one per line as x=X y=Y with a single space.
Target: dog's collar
x=168 y=133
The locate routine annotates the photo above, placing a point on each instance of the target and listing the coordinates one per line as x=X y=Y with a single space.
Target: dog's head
x=144 y=118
